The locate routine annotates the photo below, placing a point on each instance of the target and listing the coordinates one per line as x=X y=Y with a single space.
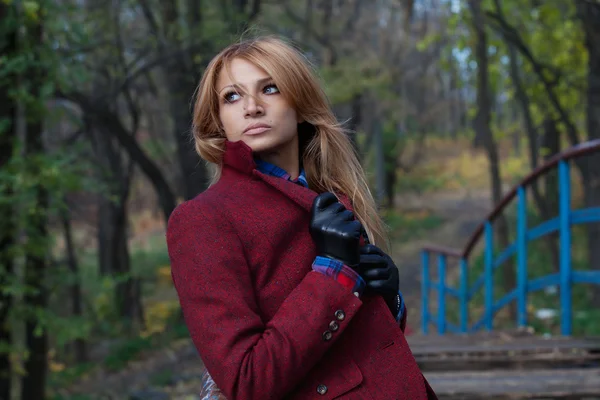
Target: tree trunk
x=380 y=173
x=532 y=144
x=7 y=224
x=551 y=145
x=390 y=183
x=355 y=122
x=194 y=172
x=81 y=354
x=113 y=251
x=483 y=131
x=127 y=140
x=181 y=76
x=36 y=259
x=454 y=91
x=589 y=13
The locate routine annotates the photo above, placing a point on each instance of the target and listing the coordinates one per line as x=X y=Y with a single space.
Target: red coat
x=241 y=258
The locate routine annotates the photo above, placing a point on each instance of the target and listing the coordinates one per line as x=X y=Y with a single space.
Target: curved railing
x=563 y=279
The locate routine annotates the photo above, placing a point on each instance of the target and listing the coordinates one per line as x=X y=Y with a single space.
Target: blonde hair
x=328 y=156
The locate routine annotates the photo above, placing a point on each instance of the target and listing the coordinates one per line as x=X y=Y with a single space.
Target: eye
x=271 y=89
x=232 y=96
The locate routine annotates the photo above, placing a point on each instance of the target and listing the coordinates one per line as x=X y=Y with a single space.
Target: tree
x=36 y=219
x=8 y=48
x=589 y=13
x=180 y=24
x=482 y=125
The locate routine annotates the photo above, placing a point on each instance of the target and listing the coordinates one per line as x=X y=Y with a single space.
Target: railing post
x=464 y=296
x=441 y=294
x=489 y=275
x=522 y=257
x=564 y=206
x=425 y=292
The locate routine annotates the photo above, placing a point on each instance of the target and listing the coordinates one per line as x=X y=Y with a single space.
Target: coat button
x=340 y=315
x=321 y=389
x=333 y=326
x=327 y=335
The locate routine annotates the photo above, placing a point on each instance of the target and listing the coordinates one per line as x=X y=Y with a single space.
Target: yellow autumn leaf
x=54 y=366
x=163 y=275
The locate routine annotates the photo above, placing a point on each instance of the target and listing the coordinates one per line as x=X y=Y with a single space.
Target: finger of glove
x=355 y=228
x=380 y=286
x=372 y=249
x=370 y=261
x=336 y=209
x=376 y=274
x=324 y=200
x=346 y=215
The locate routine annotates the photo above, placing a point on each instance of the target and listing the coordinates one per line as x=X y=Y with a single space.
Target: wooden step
x=581 y=383
x=498 y=351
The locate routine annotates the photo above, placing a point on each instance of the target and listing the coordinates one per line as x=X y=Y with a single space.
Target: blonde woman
x=282 y=293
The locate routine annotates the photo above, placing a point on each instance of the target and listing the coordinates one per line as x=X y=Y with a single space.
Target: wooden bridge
x=469 y=359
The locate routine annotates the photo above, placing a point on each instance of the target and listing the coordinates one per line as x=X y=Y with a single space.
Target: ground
x=461 y=213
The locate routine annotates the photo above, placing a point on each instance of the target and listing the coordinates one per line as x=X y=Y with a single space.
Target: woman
x=280 y=293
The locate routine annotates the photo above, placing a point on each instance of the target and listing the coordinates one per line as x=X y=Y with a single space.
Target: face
x=252 y=109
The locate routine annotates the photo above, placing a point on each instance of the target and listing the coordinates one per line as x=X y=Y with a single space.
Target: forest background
x=449 y=104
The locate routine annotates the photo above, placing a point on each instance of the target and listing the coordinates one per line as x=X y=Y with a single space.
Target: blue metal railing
x=564 y=278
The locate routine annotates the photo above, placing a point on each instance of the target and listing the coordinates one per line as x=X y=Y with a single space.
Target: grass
x=455 y=165
x=405 y=226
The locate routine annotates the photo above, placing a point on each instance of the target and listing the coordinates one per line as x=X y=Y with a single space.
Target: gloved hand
x=380 y=274
x=334 y=230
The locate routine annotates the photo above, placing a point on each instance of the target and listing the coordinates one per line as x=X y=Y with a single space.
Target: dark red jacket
x=241 y=258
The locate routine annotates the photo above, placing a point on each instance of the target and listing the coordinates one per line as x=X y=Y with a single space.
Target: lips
x=256 y=129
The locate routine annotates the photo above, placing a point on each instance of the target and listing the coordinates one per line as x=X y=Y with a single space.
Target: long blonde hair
x=328 y=156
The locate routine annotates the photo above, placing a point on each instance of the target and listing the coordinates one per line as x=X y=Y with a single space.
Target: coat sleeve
x=247 y=357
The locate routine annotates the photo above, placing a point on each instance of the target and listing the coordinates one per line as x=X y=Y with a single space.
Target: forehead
x=240 y=72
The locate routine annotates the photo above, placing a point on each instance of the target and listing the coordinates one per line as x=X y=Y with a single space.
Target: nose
x=252 y=107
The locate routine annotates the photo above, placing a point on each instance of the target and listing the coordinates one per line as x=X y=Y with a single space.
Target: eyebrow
x=236 y=85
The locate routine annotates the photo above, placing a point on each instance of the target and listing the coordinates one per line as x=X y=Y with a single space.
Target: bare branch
x=323 y=41
x=147 y=11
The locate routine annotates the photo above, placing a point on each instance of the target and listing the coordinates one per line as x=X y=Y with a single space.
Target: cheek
x=293 y=121
x=227 y=121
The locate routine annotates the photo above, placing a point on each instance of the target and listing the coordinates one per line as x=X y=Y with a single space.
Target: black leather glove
x=334 y=230
x=380 y=274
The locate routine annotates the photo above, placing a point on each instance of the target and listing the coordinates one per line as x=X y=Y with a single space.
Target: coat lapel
x=299 y=194
x=238 y=155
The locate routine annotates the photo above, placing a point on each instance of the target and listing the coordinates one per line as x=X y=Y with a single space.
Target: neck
x=286 y=158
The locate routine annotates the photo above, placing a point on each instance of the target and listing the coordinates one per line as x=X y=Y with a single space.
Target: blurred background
x=450 y=104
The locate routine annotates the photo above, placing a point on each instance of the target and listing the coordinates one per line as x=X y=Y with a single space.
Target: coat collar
x=238 y=155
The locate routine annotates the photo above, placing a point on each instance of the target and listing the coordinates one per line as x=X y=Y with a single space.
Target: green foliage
x=102 y=309
x=352 y=77
x=553 y=36
x=421 y=183
x=122 y=354
x=69 y=376
x=405 y=226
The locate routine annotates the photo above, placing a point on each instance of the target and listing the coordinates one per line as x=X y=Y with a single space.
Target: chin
x=260 y=144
